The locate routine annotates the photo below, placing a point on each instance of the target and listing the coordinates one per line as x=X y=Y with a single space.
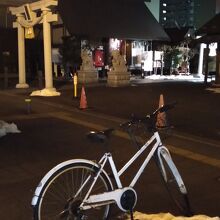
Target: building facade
x=188 y=13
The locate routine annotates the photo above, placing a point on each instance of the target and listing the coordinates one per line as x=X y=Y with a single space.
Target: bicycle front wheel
x=57 y=199
x=173 y=181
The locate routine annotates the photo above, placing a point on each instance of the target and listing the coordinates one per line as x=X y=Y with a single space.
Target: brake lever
x=165 y=108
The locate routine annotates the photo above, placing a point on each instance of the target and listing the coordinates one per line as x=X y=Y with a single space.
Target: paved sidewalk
x=195 y=119
x=197 y=112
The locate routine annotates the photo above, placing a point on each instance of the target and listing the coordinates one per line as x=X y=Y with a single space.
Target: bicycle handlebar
x=149 y=119
x=164 y=108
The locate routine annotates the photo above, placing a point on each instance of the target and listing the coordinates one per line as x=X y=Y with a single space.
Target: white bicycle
x=80 y=189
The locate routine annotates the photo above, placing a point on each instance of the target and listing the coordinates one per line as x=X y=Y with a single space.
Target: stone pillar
x=206 y=56
x=49 y=89
x=87 y=76
x=47 y=51
x=21 y=55
x=118 y=75
x=87 y=72
x=217 y=79
x=117 y=79
x=201 y=55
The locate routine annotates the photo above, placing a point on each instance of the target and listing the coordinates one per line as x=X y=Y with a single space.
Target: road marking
x=178 y=151
x=65 y=117
x=195 y=156
x=117 y=120
x=195 y=139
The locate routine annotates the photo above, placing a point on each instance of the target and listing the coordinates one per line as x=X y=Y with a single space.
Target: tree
x=70 y=52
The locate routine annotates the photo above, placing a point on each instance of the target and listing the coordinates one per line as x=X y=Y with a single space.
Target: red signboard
x=99 y=58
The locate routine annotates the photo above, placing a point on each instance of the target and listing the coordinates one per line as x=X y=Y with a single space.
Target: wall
x=5 y=17
x=8 y=51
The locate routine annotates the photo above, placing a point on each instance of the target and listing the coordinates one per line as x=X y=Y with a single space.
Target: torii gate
x=27 y=18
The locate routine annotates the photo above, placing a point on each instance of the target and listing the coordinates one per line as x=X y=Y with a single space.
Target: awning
x=210 y=31
x=208 y=39
x=178 y=35
x=123 y=19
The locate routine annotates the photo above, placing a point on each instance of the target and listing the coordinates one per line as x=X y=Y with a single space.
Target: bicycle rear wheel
x=57 y=201
x=173 y=182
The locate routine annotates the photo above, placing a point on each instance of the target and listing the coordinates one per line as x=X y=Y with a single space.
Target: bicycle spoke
x=59 y=201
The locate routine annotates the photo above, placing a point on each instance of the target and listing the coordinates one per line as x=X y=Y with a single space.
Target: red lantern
x=99 y=58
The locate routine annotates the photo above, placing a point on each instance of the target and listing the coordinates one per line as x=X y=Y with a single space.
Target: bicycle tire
x=173 y=182
x=59 y=189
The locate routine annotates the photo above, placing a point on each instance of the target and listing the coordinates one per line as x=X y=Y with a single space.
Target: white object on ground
x=46 y=92
x=8 y=128
x=168 y=216
x=215 y=90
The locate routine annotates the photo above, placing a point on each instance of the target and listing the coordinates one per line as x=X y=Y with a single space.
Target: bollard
x=28 y=105
x=75 y=79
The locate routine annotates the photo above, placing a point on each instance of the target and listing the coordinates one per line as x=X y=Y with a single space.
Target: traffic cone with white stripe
x=83 y=101
x=162 y=121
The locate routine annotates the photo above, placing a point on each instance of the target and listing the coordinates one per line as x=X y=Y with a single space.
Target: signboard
x=99 y=58
x=148 y=61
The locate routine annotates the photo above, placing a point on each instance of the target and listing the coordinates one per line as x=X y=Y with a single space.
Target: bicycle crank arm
x=86 y=206
x=125 y=199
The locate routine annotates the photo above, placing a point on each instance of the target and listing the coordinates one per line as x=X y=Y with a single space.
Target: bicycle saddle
x=99 y=136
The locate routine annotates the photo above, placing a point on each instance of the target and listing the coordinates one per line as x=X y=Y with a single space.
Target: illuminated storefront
x=141 y=56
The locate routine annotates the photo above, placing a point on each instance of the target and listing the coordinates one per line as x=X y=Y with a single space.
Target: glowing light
x=212 y=48
x=115 y=44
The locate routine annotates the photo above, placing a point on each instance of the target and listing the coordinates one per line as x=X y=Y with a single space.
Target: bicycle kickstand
x=131 y=214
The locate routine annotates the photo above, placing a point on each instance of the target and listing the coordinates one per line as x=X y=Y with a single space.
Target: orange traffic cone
x=83 y=101
x=161 y=116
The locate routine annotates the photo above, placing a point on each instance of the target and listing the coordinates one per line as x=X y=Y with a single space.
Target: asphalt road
x=55 y=131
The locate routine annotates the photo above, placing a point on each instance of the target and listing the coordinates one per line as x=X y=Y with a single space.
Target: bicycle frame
x=87 y=196
x=97 y=200
x=157 y=144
